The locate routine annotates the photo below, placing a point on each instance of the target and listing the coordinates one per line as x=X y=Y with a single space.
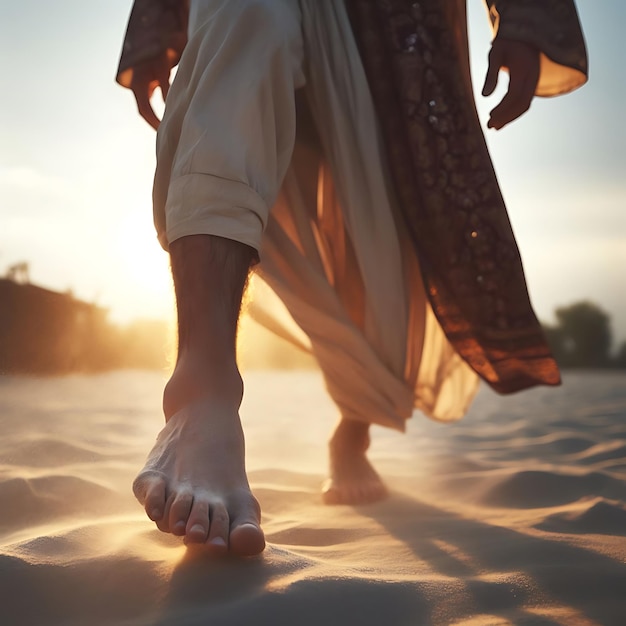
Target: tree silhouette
x=582 y=337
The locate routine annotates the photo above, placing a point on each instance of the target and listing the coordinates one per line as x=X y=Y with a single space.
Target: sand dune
x=516 y=515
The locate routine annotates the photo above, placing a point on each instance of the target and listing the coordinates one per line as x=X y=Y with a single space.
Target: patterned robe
x=415 y=54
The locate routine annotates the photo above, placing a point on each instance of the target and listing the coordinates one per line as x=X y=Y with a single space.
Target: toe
x=247 y=539
x=246 y=536
x=163 y=524
x=179 y=512
x=218 y=528
x=149 y=489
x=198 y=523
x=155 y=500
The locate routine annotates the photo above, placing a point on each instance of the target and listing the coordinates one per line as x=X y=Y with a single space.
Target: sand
x=516 y=515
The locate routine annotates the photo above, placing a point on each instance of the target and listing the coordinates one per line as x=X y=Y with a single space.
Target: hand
x=522 y=62
x=147 y=76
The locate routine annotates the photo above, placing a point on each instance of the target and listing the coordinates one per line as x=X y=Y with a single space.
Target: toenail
x=218 y=542
x=155 y=514
x=197 y=528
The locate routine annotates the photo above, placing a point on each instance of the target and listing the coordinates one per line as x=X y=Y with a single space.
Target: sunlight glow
x=147 y=263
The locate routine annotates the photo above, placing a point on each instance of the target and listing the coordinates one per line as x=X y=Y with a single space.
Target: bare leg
x=352 y=479
x=194 y=482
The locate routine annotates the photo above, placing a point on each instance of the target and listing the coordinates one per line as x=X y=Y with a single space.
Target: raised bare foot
x=352 y=479
x=194 y=482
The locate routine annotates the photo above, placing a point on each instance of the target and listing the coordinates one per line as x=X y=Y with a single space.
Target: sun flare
x=146 y=263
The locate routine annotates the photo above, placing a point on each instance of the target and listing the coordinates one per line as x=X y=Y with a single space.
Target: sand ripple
x=516 y=515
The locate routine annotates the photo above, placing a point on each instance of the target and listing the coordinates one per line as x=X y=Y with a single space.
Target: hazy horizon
x=76 y=166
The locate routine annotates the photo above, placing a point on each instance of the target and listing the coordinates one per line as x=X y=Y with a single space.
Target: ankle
x=352 y=435
x=193 y=380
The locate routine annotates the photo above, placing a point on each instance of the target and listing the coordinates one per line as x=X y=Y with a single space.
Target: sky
x=76 y=164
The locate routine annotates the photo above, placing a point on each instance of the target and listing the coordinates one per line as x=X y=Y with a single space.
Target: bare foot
x=352 y=479
x=194 y=482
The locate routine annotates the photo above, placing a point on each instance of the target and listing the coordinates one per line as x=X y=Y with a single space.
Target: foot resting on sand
x=352 y=479
x=194 y=482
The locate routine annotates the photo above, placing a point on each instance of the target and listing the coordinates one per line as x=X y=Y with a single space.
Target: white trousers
x=321 y=216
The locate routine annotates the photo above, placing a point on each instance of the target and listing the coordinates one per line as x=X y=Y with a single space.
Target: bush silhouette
x=582 y=337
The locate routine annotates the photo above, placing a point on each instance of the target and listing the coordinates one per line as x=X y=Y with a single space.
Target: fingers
x=522 y=62
x=493 y=71
x=142 y=96
x=164 y=84
x=146 y=78
x=515 y=103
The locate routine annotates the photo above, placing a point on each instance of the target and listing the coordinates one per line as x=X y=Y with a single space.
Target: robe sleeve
x=551 y=26
x=155 y=27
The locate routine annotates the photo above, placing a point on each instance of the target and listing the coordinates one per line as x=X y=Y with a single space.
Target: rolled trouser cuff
x=203 y=204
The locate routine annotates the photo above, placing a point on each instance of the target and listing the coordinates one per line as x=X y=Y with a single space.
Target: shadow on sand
x=501 y=571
